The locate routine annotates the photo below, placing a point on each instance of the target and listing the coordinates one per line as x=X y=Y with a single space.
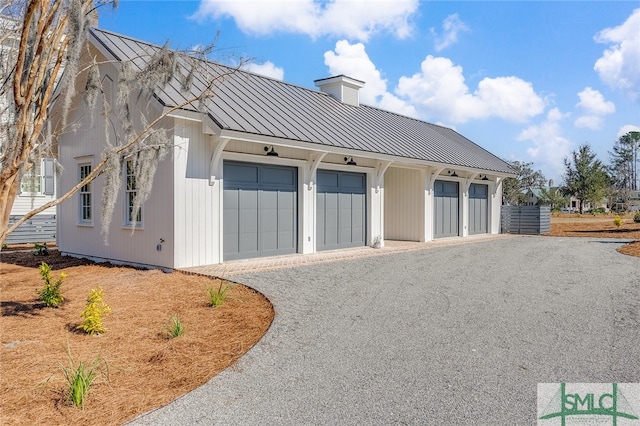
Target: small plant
x=217 y=296
x=175 y=328
x=5 y=246
x=94 y=311
x=617 y=221
x=377 y=241
x=40 y=249
x=636 y=217
x=79 y=378
x=50 y=294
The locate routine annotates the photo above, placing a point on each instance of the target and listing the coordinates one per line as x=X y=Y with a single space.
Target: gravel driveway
x=456 y=335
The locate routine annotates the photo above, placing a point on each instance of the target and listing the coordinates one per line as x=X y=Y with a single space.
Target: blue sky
x=528 y=81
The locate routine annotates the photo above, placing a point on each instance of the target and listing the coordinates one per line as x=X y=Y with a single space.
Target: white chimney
x=343 y=88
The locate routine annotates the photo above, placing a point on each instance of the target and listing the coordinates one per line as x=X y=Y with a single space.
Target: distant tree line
x=586 y=178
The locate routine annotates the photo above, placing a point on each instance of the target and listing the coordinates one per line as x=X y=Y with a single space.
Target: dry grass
x=599 y=226
x=145 y=368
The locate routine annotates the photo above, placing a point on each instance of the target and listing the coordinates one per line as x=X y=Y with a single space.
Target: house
x=270 y=168
x=535 y=196
x=37 y=186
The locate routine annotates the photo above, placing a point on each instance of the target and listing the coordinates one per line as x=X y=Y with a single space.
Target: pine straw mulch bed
x=598 y=227
x=144 y=369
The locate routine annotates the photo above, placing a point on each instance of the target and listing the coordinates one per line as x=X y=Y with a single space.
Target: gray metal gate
x=260 y=210
x=446 y=209
x=340 y=209
x=531 y=220
x=478 y=208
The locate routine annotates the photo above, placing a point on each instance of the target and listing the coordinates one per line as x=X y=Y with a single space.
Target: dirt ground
x=142 y=368
x=599 y=226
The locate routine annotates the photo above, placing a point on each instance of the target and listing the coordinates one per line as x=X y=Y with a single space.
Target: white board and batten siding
x=140 y=246
x=196 y=203
x=403 y=204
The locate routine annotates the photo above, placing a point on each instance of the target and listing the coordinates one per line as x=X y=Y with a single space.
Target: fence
x=39 y=229
x=530 y=220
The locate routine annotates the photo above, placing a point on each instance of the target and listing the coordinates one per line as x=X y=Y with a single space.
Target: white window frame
x=85 y=194
x=40 y=176
x=130 y=189
x=32 y=180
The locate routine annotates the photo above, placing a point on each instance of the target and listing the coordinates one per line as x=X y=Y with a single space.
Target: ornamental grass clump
x=175 y=328
x=216 y=296
x=50 y=294
x=95 y=309
x=79 y=378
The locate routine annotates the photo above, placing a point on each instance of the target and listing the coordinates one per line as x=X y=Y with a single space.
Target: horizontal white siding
x=403 y=204
x=24 y=203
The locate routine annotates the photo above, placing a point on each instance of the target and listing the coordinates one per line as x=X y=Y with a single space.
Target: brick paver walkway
x=238 y=267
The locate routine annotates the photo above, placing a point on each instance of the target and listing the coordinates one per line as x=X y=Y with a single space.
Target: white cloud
x=627 y=128
x=356 y=19
x=548 y=147
x=595 y=107
x=352 y=60
x=267 y=69
x=439 y=90
x=618 y=66
x=593 y=102
x=451 y=27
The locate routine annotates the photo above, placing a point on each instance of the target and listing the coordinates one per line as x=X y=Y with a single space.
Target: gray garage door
x=340 y=210
x=446 y=209
x=478 y=208
x=260 y=210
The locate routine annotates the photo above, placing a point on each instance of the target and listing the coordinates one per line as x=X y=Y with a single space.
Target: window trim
x=44 y=180
x=129 y=193
x=85 y=190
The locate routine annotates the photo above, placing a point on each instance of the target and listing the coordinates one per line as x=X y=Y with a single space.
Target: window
x=37 y=182
x=32 y=180
x=130 y=195
x=85 y=195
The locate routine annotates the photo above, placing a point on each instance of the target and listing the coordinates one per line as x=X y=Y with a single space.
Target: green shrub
x=617 y=221
x=636 y=217
x=175 y=328
x=40 y=249
x=79 y=378
x=216 y=296
x=50 y=294
x=95 y=309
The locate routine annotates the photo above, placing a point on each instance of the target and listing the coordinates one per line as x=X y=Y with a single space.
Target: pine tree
x=585 y=176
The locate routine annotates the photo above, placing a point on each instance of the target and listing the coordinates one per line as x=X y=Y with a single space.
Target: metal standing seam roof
x=258 y=105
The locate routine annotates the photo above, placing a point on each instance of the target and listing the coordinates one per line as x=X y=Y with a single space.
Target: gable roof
x=257 y=105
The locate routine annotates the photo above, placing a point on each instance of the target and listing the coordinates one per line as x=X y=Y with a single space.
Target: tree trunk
x=8 y=192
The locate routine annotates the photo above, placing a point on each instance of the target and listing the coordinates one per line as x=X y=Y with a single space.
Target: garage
x=340 y=209
x=260 y=210
x=478 y=208
x=446 y=209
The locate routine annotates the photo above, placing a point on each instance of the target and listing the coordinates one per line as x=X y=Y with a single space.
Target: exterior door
x=446 y=215
x=340 y=209
x=478 y=208
x=260 y=210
